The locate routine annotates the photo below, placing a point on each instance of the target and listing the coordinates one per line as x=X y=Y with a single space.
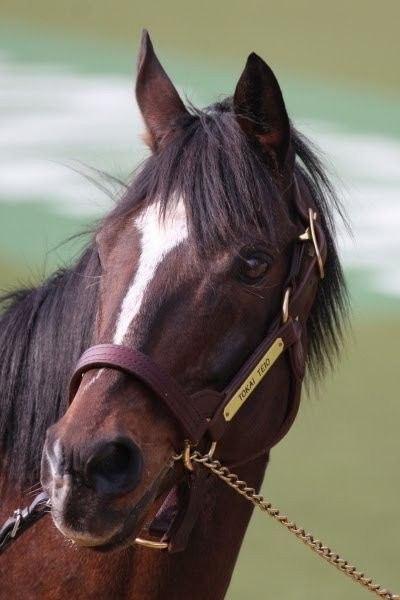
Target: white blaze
x=158 y=238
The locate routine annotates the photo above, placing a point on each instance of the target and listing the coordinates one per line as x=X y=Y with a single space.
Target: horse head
x=194 y=264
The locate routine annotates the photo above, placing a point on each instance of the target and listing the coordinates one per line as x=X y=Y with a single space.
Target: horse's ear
x=156 y=95
x=260 y=109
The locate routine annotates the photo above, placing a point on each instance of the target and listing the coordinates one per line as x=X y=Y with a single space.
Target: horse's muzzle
x=86 y=485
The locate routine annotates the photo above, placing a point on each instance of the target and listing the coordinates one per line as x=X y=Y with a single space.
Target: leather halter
x=206 y=415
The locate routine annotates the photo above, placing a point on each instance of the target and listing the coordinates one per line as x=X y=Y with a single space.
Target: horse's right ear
x=158 y=100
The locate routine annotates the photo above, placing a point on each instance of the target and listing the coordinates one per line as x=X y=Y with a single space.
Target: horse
x=230 y=217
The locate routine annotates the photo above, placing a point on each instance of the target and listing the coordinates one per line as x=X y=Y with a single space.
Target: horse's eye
x=252 y=266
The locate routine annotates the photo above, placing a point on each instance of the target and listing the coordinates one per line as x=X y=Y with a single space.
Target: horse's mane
x=224 y=185
x=43 y=331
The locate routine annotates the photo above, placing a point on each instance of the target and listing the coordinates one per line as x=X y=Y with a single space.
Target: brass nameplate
x=252 y=381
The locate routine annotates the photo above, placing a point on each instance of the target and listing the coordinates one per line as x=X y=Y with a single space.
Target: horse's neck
x=205 y=568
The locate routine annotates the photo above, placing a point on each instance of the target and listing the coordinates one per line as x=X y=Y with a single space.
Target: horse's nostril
x=115 y=467
x=113 y=460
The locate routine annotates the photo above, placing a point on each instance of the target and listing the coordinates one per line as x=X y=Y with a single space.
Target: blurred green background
x=66 y=105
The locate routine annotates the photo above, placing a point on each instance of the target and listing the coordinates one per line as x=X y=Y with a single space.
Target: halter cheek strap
x=208 y=413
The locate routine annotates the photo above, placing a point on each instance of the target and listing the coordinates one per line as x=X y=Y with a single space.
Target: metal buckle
x=310 y=235
x=285 y=305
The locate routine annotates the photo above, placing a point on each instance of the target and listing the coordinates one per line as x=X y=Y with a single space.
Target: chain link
x=308 y=539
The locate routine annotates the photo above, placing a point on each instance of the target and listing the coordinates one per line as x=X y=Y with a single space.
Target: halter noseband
x=206 y=415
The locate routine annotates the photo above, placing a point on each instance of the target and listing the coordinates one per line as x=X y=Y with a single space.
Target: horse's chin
x=86 y=539
x=118 y=542
x=121 y=537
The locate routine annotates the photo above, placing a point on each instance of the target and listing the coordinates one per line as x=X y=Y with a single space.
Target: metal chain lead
x=307 y=538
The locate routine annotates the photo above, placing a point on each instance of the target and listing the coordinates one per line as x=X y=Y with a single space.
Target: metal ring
x=18 y=519
x=150 y=544
x=313 y=216
x=211 y=451
x=187 y=461
x=285 y=305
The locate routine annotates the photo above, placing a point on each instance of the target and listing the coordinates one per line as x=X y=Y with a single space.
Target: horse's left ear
x=260 y=109
x=158 y=100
